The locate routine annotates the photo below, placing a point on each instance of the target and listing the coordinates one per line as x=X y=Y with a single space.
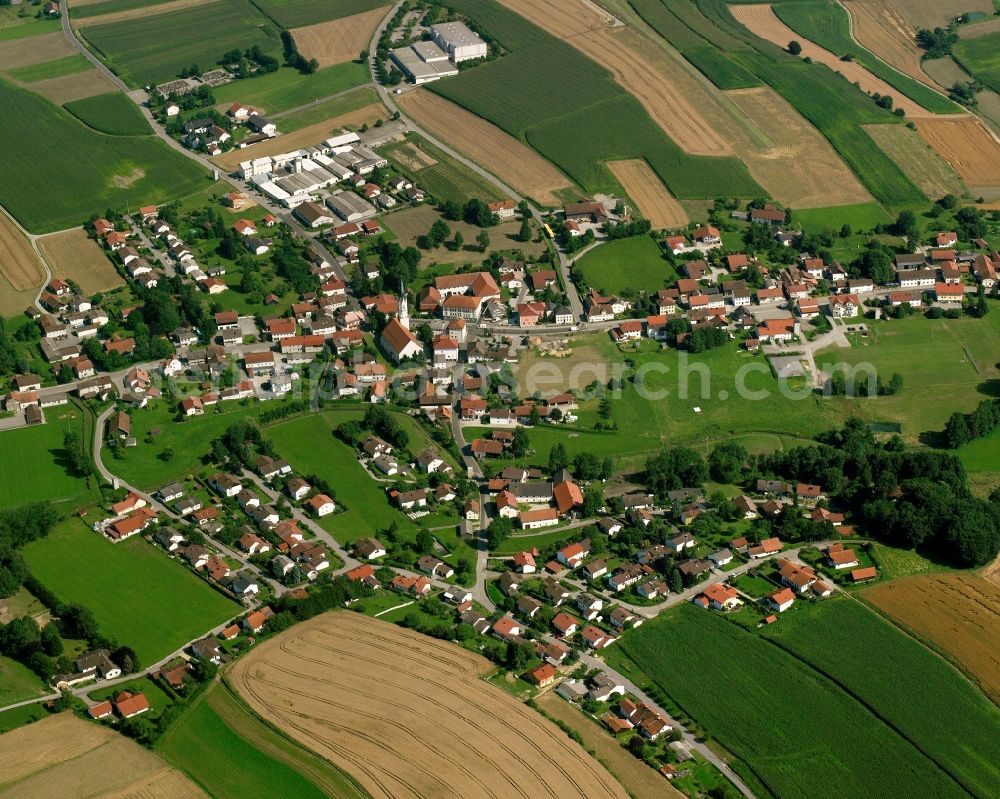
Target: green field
x=33 y=470
x=981 y=455
x=589 y=120
x=796 y=731
x=138 y=595
x=154 y=49
x=861 y=217
x=75 y=171
x=112 y=113
x=51 y=69
x=18 y=682
x=327 y=109
x=719 y=68
x=828 y=24
x=19 y=716
x=296 y=13
x=232 y=754
x=626 y=265
x=288 y=88
x=109 y=7
x=445 y=180
x=981 y=57
x=19 y=22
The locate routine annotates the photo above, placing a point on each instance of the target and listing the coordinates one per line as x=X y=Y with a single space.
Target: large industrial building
x=452 y=43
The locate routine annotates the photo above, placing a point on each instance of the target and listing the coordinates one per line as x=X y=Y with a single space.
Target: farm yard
x=220 y=743
x=64 y=755
x=79 y=169
x=934 y=176
x=635 y=264
x=112 y=113
x=506 y=157
x=338 y=40
x=698 y=658
x=73 y=255
x=650 y=196
x=957 y=613
x=174 y=605
x=370 y=697
x=21 y=271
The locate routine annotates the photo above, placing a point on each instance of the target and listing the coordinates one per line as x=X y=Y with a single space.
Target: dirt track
x=63 y=756
x=649 y=194
x=966 y=145
x=338 y=40
x=619 y=52
x=408 y=716
x=506 y=157
x=761 y=20
x=957 y=612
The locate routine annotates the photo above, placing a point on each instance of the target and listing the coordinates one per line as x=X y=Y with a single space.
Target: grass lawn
x=382 y=601
x=19 y=22
x=227 y=749
x=32 y=468
x=18 y=682
x=112 y=113
x=860 y=217
x=289 y=88
x=753 y=585
x=327 y=110
x=76 y=171
x=541 y=541
x=784 y=720
x=138 y=595
x=19 y=716
x=981 y=455
x=636 y=263
x=51 y=69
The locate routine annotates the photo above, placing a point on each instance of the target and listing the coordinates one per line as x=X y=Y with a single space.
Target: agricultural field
x=79 y=169
x=369 y=696
x=828 y=24
x=39 y=49
x=772 y=723
x=957 y=613
x=923 y=14
x=50 y=69
x=879 y=26
x=153 y=49
x=175 y=606
x=73 y=255
x=332 y=109
x=34 y=469
x=719 y=68
x=63 y=755
x=864 y=216
x=21 y=271
x=934 y=176
x=287 y=88
x=968 y=147
x=18 y=682
x=508 y=158
x=981 y=58
x=338 y=40
x=635 y=264
x=220 y=744
x=437 y=173
x=19 y=22
x=296 y=13
x=111 y=113
x=650 y=196
x=115 y=9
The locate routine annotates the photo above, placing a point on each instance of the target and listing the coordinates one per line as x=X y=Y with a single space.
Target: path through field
x=409 y=716
x=338 y=40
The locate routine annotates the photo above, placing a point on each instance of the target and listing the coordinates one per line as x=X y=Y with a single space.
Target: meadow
x=981 y=57
x=328 y=109
x=222 y=745
x=76 y=171
x=33 y=467
x=792 y=728
x=50 y=69
x=19 y=22
x=154 y=49
x=590 y=118
x=18 y=682
x=885 y=669
x=134 y=581
x=633 y=264
x=828 y=24
x=862 y=217
x=288 y=88
x=112 y=113
x=297 y=13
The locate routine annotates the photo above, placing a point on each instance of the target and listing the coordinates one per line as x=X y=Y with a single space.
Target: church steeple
x=404 y=310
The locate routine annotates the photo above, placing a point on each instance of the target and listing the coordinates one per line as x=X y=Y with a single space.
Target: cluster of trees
x=11 y=359
x=201 y=97
x=384 y=424
x=474 y=212
x=239 y=443
x=966 y=92
x=624 y=230
x=291 y=266
x=20 y=526
x=398 y=264
x=870 y=384
x=571 y=243
x=293 y=58
x=673 y=468
x=250 y=62
x=965 y=427
x=704 y=338
x=937 y=42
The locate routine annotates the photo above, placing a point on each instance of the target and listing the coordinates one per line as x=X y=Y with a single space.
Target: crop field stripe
x=112 y=113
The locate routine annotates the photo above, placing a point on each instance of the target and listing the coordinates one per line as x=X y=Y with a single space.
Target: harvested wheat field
x=878 y=25
x=141 y=11
x=649 y=194
x=966 y=145
x=303 y=137
x=338 y=40
x=21 y=271
x=66 y=757
x=979 y=29
x=761 y=20
x=34 y=50
x=934 y=176
x=509 y=159
x=931 y=13
x=409 y=716
x=957 y=612
x=799 y=167
x=71 y=254
x=619 y=51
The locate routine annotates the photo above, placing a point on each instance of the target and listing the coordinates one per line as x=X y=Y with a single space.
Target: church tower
x=404 y=310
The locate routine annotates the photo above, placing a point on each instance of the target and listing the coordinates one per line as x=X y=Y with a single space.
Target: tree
x=500 y=530
x=51 y=641
x=727 y=462
x=794 y=47
x=458 y=241
x=438 y=234
x=76 y=453
x=593 y=500
x=483 y=240
x=519 y=443
x=674 y=468
x=424 y=542
x=557 y=457
x=956 y=432
x=524 y=234
x=906 y=226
